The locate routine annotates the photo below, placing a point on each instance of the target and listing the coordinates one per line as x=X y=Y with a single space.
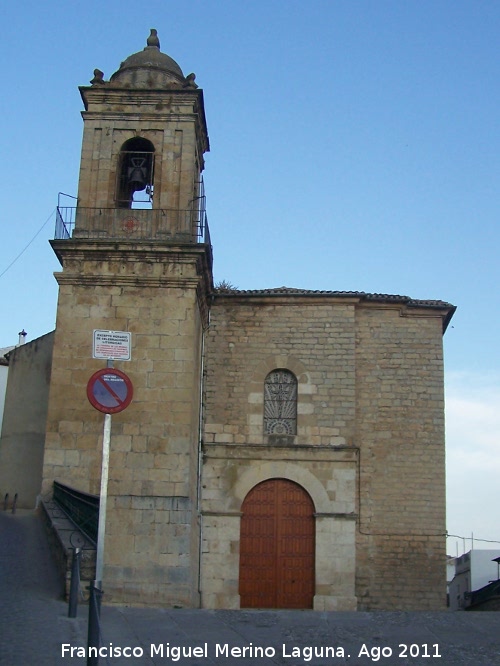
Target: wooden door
x=277 y=547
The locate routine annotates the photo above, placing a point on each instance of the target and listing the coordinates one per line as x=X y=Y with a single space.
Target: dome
x=157 y=66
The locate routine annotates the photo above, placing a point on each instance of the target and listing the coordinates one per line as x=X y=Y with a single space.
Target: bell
x=137 y=174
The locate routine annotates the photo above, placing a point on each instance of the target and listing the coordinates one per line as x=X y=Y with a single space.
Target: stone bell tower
x=136 y=256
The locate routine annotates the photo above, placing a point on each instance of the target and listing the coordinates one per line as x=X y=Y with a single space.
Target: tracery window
x=280 y=403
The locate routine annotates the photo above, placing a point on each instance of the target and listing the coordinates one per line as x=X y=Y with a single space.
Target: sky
x=354 y=146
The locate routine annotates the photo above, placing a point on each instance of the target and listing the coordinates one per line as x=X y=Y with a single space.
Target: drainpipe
x=200 y=459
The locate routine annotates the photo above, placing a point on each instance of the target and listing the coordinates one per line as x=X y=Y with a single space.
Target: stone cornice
x=106 y=94
x=342 y=516
x=407 y=307
x=137 y=264
x=99 y=100
x=301 y=452
x=233 y=514
x=99 y=250
x=124 y=280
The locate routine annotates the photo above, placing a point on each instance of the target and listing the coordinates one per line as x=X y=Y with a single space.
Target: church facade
x=284 y=448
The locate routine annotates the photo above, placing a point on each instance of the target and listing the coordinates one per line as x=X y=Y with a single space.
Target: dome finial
x=153 y=39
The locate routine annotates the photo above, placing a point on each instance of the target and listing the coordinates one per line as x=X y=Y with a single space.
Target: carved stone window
x=280 y=403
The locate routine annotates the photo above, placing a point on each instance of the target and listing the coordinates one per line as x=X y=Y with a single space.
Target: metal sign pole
x=94 y=628
x=110 y=391
x=101 y=529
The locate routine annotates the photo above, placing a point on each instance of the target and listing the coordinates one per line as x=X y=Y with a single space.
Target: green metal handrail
x=80 y=507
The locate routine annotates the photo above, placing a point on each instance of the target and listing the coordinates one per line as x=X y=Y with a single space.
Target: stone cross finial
x=153 y=39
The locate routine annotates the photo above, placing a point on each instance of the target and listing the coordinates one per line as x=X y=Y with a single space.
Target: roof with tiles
x=361 y=295
x=448 y=308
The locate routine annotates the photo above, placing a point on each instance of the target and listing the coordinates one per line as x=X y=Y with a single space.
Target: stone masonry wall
x=172 y=131
x=370 y=381
x=246 y=340
x=312 y=339
x=151 y=518
x=400 y=430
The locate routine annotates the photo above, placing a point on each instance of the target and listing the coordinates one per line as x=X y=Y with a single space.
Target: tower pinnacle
x=153 y=39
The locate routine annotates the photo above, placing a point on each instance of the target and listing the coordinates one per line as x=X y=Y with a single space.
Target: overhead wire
x=471 y=538
x=27 y=246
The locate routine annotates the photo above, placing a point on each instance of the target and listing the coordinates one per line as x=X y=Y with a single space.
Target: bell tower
x=136 y=256
x=144 y=139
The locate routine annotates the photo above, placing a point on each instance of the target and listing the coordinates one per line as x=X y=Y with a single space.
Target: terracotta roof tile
x=364 y=296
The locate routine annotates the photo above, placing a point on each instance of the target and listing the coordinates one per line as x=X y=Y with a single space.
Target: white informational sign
x=112 y=345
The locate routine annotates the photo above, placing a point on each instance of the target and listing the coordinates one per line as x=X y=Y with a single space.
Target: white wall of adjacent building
x=473 y=570
x=4 y=371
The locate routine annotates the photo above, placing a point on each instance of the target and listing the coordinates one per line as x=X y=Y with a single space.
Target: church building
x=284 y=448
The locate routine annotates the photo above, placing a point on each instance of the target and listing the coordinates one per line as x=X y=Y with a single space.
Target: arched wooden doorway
x=277 y=546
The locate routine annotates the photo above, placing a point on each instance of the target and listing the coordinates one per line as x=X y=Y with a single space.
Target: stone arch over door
x=277 y=546
x=292 y=471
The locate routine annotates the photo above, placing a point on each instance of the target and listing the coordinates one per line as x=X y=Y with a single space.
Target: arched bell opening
x=135 y=177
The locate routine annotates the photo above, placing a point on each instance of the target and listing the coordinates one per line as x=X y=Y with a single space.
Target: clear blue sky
x=355 y=146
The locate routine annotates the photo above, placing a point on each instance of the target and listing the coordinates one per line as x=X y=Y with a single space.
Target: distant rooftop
x=3 y=351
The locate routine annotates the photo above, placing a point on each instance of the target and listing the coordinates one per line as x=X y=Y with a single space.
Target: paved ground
x=34 y=626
